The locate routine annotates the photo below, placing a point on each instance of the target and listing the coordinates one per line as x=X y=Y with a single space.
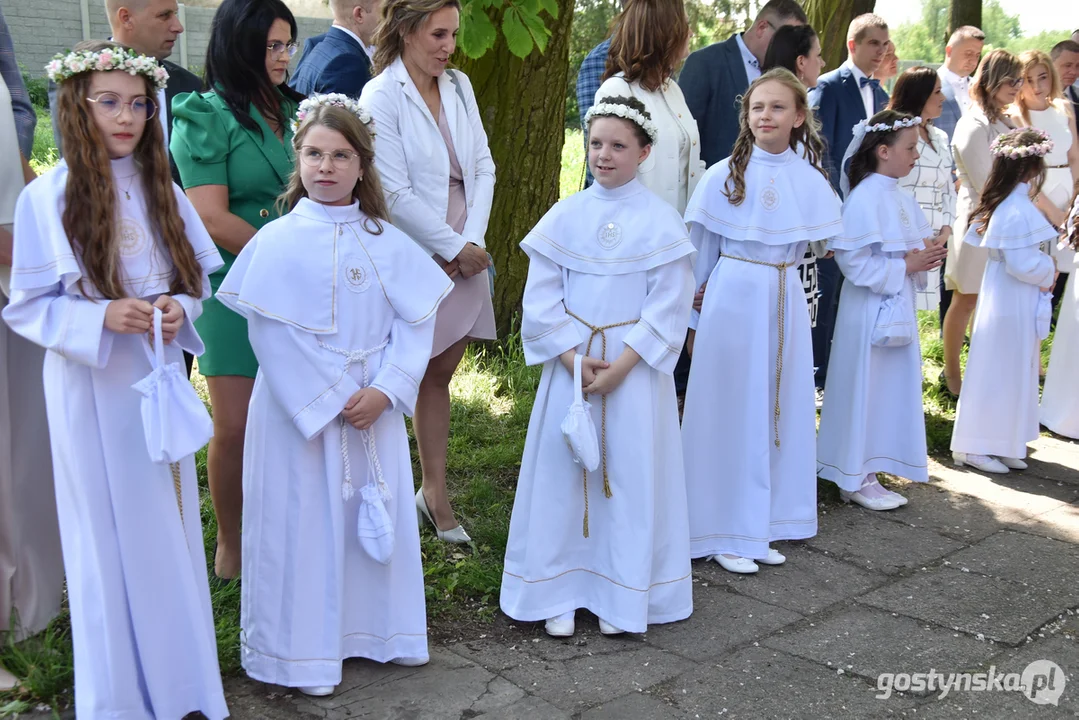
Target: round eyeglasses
x=111 y=105
x=313 y=157
x=276 y=48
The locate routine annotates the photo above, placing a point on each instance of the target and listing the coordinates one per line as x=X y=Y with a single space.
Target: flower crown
x=608 y=109
x=891 y=127
x=331 y=100
x=67 y=65
x=1014 y=152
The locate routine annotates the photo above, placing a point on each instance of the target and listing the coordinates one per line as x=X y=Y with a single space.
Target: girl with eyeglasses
x=101 y=241
x=996 y=85
x=233 y=147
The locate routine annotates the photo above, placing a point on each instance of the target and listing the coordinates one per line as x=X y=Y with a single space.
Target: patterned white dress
x=931 y=184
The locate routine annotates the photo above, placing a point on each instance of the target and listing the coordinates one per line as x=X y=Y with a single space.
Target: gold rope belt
x=781 y=306
x=600 y=330
x=175 y=467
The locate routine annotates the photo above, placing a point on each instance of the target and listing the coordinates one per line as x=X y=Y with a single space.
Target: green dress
x=211 y=148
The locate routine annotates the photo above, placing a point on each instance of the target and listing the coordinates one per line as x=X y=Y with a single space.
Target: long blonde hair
x=994 y=69
x=368 y=190
x=90 y=217
x=808 y=135
x=401 y=18
x=1030 y=60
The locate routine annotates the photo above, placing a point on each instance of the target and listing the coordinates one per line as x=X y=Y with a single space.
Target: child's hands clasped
x=365 y=407
x=589 y=366
x=1056 y=276
x=172 y=317
x=928 y=259
x=129 y=316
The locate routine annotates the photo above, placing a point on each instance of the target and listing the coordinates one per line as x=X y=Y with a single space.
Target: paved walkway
x=978 y=572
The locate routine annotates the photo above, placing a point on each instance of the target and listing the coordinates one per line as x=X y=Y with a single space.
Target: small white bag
x=1044 y=317
x=174 y=419
x=578 y=428
x=375 y=529
x=896 y=324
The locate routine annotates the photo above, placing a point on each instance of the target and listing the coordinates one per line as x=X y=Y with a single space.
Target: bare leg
x=229 y=396
x=956 y=322
x=432 y=425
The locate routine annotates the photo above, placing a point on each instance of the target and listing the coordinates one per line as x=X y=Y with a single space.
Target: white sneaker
x=1012 y=463
x=980 y=462
x=774 y=558
x=561 y=626
x=740 y=565
x=318 y=690
x=607 y=629
x=411 y=661
x=884 y=502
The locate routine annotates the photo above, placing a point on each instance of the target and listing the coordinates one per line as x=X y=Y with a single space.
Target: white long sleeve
x=659 y=334
x=1030 y=265
x=547 y=330
x=872 y=270
x=69 y=325
x=707 y=244
x=404 y=362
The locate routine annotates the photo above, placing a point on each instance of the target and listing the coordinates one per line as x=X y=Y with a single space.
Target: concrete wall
x=42 y=28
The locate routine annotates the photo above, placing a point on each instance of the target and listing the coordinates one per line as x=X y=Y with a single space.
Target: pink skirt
x=467 y=313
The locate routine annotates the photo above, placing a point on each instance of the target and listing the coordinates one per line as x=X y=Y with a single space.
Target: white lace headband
x=885 y=127
x=335 y=100
x=860 y=130
x=609 y=109
x=67 y=65
x=1015 y=152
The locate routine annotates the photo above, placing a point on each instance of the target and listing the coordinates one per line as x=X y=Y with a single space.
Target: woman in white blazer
x=438 y=176
x=650 y=43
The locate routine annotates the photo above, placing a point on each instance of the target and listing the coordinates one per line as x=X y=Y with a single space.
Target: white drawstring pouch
x=1044 y=317
x=578 y=428
x=374 y=529
x=174 y=420
x=896 y=324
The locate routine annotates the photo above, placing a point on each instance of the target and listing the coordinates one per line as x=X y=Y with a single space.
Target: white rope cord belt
x=367 y=436
x=781 y=306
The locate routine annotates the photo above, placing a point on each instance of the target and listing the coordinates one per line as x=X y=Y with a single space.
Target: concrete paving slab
x=1045 y=564
x=1061 y=523
x=528 y=708
x=635 y=706
x=965 y=518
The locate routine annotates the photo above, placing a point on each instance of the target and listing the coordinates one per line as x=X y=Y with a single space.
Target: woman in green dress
x=232 y=146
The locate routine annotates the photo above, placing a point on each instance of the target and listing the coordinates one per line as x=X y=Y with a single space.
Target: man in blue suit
x=339 y=61
x=716 y=76
x=842 y=99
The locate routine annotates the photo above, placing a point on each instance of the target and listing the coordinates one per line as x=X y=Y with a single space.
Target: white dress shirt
x=961 y=86
x=753 y=66
x=865 y=90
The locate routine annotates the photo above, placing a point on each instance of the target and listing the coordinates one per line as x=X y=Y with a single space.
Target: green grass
x=571 y=179
x=44 y=155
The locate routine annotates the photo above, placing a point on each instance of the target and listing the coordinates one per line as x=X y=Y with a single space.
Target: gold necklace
x=130 y=182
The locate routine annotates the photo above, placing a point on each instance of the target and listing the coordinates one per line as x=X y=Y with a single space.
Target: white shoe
x=819 y=398
x=980 y=462
x=1012 y=463
x=774 y=558
x=561 y=626
x=318 y=690
x=411 y=661
x=457 y=535
x=869 y=503
x=607 y=629
x=897 y=497
x=740 y=565
x=7 y=680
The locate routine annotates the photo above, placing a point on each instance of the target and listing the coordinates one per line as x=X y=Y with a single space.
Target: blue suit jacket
x=950 y=113
x=712 y=80
x=838 y=104
x=332 y=63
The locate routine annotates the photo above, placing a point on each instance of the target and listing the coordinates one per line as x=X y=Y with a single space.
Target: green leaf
x=551 y=6
x=478 y=33
x=518 y=38
x=539 y=31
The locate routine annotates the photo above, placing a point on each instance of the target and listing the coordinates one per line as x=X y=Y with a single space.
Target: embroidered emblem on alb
x=356 y=275
x=770 y=198
x=904 y=219
x=132 y=238
x=610 y=235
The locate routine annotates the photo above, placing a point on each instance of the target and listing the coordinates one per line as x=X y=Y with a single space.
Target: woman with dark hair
x=918 y=92
x=797 y=48
x=232 y=145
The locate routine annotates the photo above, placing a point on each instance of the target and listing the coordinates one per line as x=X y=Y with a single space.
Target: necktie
x=869 y=81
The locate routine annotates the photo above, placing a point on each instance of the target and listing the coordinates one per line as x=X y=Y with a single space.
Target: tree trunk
x=523 y=105
x=965 y=12
x=830 y=18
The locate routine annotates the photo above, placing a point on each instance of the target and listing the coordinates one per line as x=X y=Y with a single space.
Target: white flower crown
x=893 y=127
x=67 y=65
x=609 y=109
x=334 y=100
x=1014 y=152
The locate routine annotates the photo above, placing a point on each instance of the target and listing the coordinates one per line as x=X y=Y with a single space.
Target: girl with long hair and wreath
x=100 y=242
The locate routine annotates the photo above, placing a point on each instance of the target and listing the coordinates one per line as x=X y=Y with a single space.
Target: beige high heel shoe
x=456 y=535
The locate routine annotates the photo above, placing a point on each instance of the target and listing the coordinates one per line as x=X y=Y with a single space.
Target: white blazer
x=662 y=172
x=414 y=164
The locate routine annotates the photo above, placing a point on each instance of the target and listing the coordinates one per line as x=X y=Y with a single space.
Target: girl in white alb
x=749 y=427
x=610 y=279
x=998 y=406
x=100 y=242
x=340 y=308
x=1059 y=410
x=872 y=420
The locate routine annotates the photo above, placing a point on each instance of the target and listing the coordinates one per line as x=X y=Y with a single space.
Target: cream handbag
x=578 y=428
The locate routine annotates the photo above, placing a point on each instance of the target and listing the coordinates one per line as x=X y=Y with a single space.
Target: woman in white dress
x=1059 y=410
x=439 y=181
x=918 y=92
x=647 y=48
x=996 y=85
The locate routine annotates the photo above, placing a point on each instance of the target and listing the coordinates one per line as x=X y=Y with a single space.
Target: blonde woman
x=996 y=85
x=439 y=180
x=648 y=46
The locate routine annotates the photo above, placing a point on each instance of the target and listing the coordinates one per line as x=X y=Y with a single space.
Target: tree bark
x=830 y=18
x=523 y=105
x=965 y=12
